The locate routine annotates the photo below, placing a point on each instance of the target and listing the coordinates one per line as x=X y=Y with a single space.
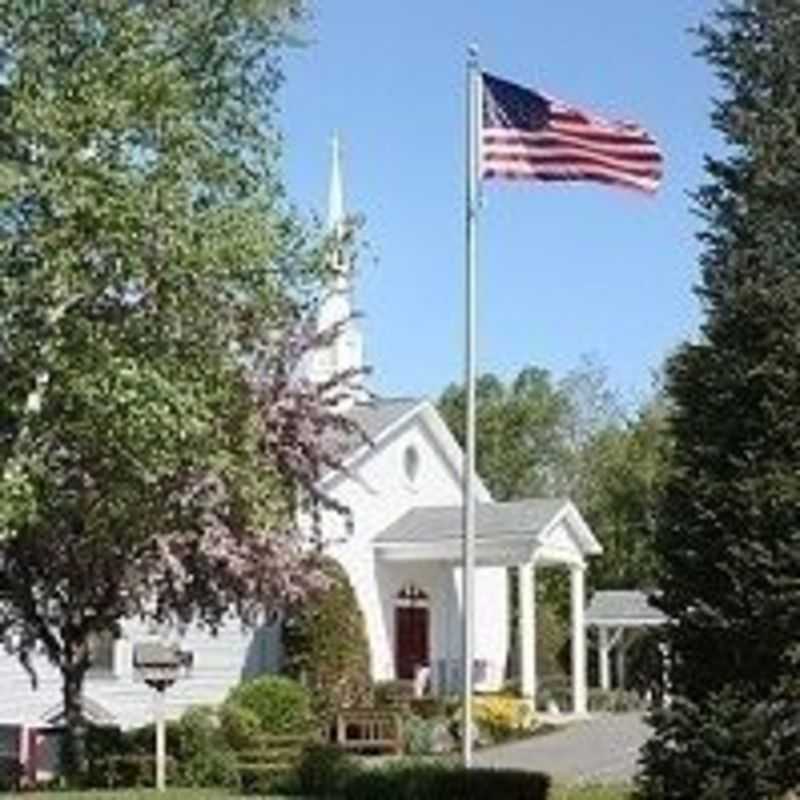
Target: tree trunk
x=72 y=753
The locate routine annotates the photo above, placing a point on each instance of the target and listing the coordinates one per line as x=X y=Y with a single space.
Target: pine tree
x=729 y=532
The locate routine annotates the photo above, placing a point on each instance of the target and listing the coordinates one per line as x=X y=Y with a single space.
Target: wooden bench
x=368 y=730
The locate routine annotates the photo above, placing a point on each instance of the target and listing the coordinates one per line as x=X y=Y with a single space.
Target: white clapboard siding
x=220 y=662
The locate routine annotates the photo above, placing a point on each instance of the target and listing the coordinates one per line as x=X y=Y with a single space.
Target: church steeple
x=336 y=216
x=346 y=351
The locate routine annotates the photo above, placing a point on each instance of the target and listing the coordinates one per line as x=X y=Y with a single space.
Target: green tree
x=153 y=434
x=326 y=647
x=521 y=447
x=623 y=470
x=729 y=530
x=539 y=438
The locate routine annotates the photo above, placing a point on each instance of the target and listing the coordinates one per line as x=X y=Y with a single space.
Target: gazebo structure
x=619 y=616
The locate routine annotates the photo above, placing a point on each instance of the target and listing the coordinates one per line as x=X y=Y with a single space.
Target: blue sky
x=565 y=271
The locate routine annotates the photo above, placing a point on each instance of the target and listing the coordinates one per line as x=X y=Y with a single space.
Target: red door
x=411 y=640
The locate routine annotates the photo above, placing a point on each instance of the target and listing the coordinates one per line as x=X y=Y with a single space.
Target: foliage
x=410 y=781
x=729 y=530
x=724 y=746
x=392 y=694
x=615 y=700
x=520 y=432
x=324 y=769
x=154 y=437
x=199 y=754
x=503 y=717
x=11 y=772
x=554 y=689
x=592 y=792
x=204 y=756
x=326 y=647
x=619 y=487
x=240 y=726
x=141 y=794
x=281 y=705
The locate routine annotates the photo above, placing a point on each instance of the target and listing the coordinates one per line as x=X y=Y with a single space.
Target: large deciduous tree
x=156 y=443
x=521 y=446
x=729 y=531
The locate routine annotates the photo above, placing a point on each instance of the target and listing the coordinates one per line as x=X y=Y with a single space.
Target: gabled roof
x=624 y=608
x=434 y=523
x=543 y=530
x=375 y=416
x=380 y=418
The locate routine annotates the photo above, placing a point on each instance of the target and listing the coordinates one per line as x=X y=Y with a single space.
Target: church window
x=411 y=464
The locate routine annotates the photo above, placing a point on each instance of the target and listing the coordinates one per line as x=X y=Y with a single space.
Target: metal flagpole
x=468 y=566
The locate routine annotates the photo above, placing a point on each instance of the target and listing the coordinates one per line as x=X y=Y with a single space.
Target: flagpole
x=468 y=566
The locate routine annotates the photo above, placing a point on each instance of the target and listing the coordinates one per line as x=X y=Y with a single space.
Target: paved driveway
x=601 y=749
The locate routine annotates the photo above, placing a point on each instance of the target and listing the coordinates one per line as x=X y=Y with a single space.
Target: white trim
x=442 y=440
x=368 y=447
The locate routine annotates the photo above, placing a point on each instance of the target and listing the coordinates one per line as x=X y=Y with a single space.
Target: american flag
x=526 y=135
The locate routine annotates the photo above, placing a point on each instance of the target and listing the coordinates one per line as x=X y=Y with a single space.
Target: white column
x=577 y=602
x=526 y=633
x=621 y=660
x=602 y=658
x=161 y=743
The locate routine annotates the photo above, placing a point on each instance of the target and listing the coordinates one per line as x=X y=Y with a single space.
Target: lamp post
x=159 y=665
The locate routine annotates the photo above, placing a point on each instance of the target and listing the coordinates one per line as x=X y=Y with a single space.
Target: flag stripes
x=526 y=135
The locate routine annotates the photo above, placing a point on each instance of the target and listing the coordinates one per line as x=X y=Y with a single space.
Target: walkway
x=602 y=749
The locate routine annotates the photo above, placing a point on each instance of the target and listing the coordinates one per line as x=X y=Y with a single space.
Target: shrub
x=241 y=727
x=419 y=781
x=198 y=755
x=11 y=772
x=392 y=694
x=324 y=770
x=615 y=700
x=554 y=689
x=326 y=646
x=418 y=735
x=433 y=707
x=503 y=717
x=281 y=705
x=133 y=770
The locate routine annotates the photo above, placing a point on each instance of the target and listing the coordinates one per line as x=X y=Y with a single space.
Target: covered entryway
x=523 y=535
x=412 y=632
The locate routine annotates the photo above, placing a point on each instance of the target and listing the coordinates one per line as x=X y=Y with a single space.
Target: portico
x=421 y=552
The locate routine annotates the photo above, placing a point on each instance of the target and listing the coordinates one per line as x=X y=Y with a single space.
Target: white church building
x=401 y=550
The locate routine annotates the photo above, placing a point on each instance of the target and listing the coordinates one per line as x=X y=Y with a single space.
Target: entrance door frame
x=412 y=599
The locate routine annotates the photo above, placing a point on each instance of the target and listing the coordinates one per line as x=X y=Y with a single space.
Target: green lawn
x=135 y=794
x=559 y=793
x=598 y=792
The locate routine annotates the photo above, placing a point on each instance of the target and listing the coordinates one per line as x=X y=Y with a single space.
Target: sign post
x=159 y=666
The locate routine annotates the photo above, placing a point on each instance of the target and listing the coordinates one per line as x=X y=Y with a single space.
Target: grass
x=560 y=792
x=592 y=792
x=134 y=794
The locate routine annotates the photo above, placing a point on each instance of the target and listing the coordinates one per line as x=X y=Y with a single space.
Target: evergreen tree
x=729 y=530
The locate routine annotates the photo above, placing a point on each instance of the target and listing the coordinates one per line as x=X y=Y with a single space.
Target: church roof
x=622 y=608
x=435 y=523
x=374 y=418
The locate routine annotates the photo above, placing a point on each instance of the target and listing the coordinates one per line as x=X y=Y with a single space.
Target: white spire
x=346 y=352
x=336 y=192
